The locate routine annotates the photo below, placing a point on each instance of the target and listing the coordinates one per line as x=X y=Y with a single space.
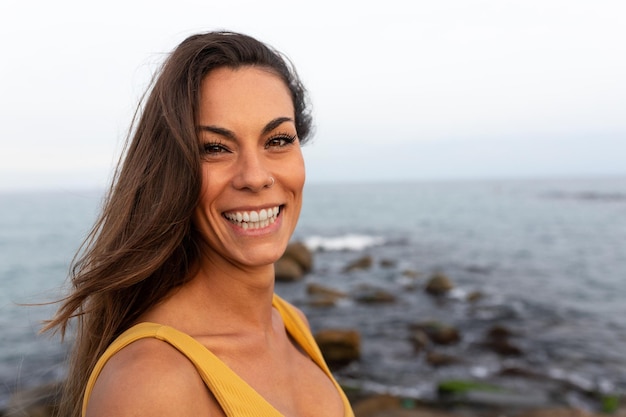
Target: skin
x=245 y=121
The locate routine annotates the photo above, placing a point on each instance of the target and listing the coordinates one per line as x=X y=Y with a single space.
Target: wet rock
x=384 y=405
x=374 y=405
x=557 y=412
x=439 y=284
x=321 y=296
x=419 y=339
x=499 y=332
x=441 y=359
x=38 y=402
x=322 y=301
x=461 y=386
x=474 y=296
x=301 y=254
x=439 y=333
x=409 y=273
x=317 y=289
x=387 y=263
x=339 y=347
x=507 y=400
x=505 y=348
x=365 y=262
x=482 y=394
x=372 y=295
x=498 y=340
x=287 y=270
x=518 y=372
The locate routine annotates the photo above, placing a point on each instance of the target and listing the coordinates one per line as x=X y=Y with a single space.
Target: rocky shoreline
x=41 y=402
x=438 y=344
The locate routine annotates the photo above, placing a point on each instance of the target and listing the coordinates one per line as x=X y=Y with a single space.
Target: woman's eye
x=214 y=148
x=280 y=141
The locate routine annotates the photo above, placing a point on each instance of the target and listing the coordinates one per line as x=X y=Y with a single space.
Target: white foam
x=350 y=242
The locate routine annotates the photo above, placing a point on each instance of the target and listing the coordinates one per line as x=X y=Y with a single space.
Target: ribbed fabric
x=235 y=396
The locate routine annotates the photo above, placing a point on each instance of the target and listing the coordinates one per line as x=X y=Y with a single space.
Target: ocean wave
x=349 y=242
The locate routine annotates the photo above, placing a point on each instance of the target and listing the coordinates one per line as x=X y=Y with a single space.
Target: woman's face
x=252 y=169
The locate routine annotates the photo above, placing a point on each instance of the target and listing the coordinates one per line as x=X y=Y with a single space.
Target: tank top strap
x=235 y=396
x=300 y=332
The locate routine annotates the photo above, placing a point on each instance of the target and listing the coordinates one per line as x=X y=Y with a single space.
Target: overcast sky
x=446 y=89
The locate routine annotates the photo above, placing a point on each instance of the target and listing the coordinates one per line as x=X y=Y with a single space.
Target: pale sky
x=402 y=90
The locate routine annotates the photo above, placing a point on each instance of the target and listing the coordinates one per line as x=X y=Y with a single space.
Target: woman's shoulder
x=148 y=377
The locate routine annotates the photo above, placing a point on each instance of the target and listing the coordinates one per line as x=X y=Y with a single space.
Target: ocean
x=547 y=257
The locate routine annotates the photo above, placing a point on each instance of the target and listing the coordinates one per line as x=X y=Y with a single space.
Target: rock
x=384 y=405
x=287 y=270
x=504 y=347
x=294 y=263
x=359 y=264
x=499 y=332
x=439 y=284
x=419 y=339
x=372 y=295
x=474 y=296
x=505 y=399
x=38 y=402
x=497 y=340
x=317 y=289
x=518 y=372
x=441 y=359
x=409 y=273
x=488 y=395
x=439 y=333
x=374 y=405
x=301 y=254
x=387 y=263
x=323 y=296
x=322 y=301
x=557 y=412
x=339 y=347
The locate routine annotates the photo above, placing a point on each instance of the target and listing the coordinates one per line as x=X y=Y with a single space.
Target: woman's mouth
x=253 y=219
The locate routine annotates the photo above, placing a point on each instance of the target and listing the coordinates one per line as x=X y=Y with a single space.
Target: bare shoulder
x=148 y=377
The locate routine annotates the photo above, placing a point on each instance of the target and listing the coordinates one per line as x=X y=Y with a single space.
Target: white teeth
x=254 y=219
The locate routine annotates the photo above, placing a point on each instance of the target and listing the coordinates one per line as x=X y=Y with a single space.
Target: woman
x=174 y=292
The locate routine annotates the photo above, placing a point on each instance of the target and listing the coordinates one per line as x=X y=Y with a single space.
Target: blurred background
x=449 y=89
x=480 y=140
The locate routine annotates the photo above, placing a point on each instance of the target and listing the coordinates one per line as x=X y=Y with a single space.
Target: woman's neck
x=220 y=298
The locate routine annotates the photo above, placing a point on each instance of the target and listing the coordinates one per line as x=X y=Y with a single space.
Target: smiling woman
x=174 y=289
x=252 y=163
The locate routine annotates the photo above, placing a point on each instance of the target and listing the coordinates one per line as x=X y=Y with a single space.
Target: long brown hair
x=144 y=243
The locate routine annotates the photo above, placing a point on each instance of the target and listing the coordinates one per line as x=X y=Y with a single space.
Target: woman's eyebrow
x=275 y=123
x=218 y=131
x=231 y=135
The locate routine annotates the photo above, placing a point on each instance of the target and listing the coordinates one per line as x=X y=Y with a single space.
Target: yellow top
x=235 y=396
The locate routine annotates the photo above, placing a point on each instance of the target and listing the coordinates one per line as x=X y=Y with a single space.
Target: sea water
x=548 y=256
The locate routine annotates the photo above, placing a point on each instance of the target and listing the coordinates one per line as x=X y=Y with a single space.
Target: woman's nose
x=252 y=173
